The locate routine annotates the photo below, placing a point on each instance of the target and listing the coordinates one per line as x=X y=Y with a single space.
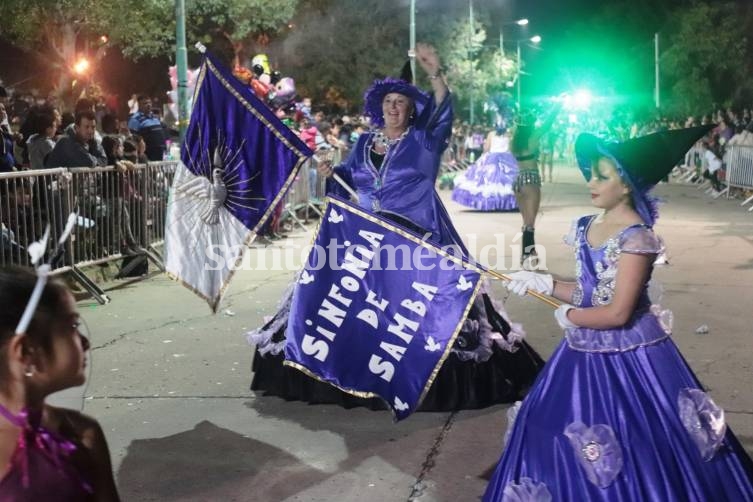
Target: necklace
x=382 y=141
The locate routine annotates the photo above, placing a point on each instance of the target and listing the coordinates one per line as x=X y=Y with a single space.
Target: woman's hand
x=325 y=169
x=427 y=57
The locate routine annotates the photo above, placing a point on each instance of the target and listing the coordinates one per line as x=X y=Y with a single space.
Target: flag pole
x=502 y=277
x=544 y=298
x=345 y=186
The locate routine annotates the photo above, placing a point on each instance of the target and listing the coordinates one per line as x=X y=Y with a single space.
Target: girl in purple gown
x=617 y=414
x=393 y=170
x=46 y=453
x=488 y=184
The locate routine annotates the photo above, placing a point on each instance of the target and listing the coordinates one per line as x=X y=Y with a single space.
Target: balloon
x=283 y=93
x=263 y=60
x=260 y=88
x=276 y=76
x=258 y=70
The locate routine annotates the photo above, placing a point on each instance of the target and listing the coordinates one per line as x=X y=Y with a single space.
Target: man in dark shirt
x=77 y=148
x=148 y=126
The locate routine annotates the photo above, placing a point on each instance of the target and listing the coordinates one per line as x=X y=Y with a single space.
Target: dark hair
x=142 y=97
x=84 y=104
x=109 y=144
x=66 y=119
x=130 y=150
x=16 y=286
x=44 y=119
x=3 y=92
x=109 y=124
x=84 y=114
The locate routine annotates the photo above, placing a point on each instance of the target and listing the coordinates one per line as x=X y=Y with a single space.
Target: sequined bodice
x=596 y=267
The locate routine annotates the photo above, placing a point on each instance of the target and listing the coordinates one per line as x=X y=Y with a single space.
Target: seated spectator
x=134 y=150
x=714 y=163
x=110 y=124
x=77 y=148
x=7 y=160
x=147 y=125
x=42 y=140
x=84 y=104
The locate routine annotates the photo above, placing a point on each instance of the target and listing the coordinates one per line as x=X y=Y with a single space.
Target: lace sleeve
x=640 y=240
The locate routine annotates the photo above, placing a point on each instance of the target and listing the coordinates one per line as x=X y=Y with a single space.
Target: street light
x=81 y=66
x=534 y=39
x=519 y=22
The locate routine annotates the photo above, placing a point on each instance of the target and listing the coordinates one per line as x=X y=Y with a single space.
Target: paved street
x=170 y=380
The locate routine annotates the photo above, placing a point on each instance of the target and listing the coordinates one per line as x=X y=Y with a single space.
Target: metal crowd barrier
x=119 y=214
x=739 y=169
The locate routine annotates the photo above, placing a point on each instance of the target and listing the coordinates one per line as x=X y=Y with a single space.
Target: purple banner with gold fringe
x=377 y=309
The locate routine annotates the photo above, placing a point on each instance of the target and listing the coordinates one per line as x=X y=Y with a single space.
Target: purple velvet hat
x=372 y=99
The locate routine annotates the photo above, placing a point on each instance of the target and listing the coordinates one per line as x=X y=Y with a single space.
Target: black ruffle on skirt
x=504 y=378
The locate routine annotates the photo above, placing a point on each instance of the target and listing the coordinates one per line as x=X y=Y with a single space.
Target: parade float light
x=582 y=98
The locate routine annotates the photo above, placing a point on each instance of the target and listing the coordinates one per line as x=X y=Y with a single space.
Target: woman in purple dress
x=488 y=184
x=393 y=170
x=617 y=414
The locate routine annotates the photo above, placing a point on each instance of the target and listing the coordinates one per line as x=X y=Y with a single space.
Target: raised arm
x=427 y=58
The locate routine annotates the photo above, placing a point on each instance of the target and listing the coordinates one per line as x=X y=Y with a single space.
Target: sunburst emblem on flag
x=218 y=183
x=237 y=160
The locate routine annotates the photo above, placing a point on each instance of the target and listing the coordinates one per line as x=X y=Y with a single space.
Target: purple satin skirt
x=609 y=427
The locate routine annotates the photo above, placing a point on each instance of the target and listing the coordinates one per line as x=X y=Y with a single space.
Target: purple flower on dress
x=598 y=451
x=703 y=420
x=526 y=491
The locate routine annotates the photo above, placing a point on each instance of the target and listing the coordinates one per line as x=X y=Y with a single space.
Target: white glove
x=524 y=280
x=561 y=315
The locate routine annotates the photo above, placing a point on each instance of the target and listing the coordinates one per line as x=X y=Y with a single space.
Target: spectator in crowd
x=714 y=163
x=724 y=131
x=4 y=101
x=308 y=133
x=134 y=150
x=110 y=125
x=743 y=136
x=42 y=140
x=147 y=125
x=66 y=120
x=117 y=194
x=77 y=147
x=7 y=160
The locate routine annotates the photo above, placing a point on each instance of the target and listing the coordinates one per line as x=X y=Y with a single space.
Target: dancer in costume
x=525 y=147
x=617 y=414
x=393 y=169
x=488 y=184
x=46 y=453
